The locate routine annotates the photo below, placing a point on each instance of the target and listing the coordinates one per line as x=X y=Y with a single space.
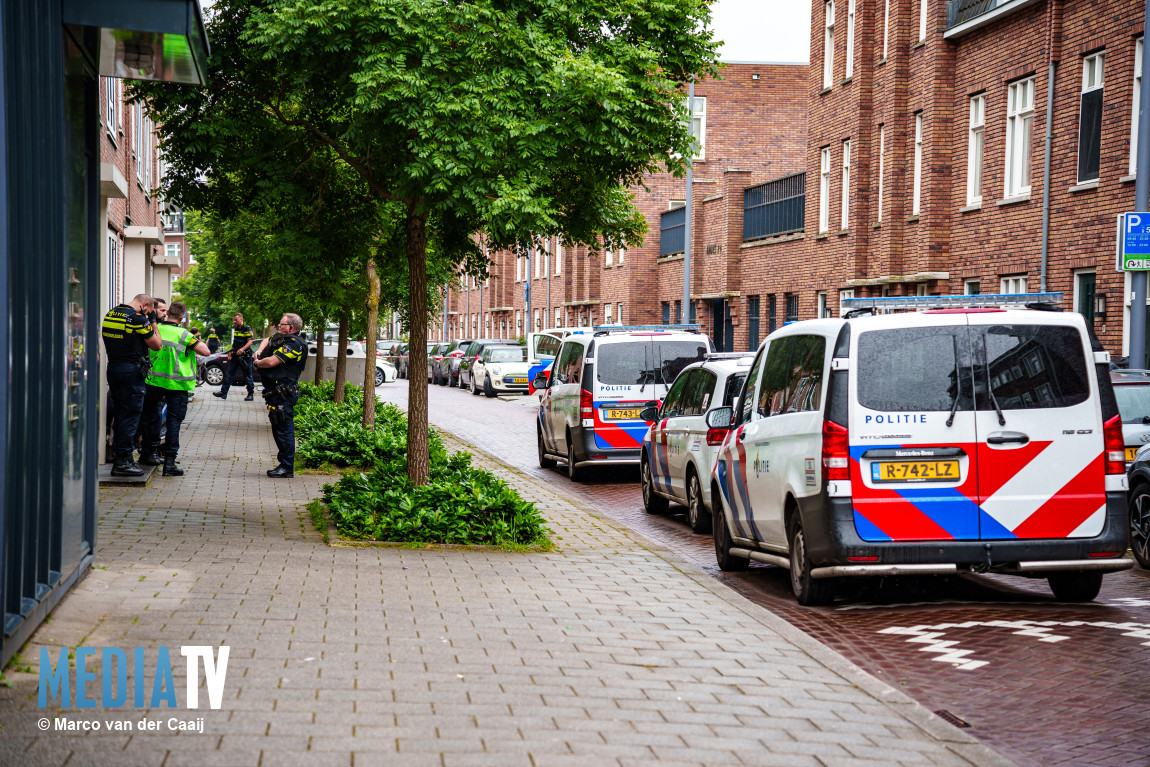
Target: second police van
x=600 y=383
x=970 y=438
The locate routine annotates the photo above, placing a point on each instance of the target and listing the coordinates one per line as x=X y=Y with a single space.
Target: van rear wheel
x=544 y=461
x=1075 y=587
x=574 y=473
x=727 y=562
x=808 y=591
x=697 y=515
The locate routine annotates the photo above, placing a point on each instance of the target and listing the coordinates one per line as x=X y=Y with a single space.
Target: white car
x=501 y=369
x=679 y=450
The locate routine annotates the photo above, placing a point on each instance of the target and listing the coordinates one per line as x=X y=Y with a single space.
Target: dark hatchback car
x=1132 y=390
x=467 y=359
x=434 y=357
x=449 y=365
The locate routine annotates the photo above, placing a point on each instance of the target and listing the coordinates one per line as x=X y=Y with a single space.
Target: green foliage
x=461 y=503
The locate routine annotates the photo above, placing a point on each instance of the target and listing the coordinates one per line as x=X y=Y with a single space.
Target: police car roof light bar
x=924 y=303
x=729 y=355
x=601 y=330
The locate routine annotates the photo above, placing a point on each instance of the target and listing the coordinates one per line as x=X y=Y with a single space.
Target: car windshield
x=646 y=362
x=509 y=355
x=1133 y=402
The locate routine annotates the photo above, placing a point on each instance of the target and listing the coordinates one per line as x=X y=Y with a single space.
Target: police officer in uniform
x=213 y=340
x=128 y=332
x=170 y=381
x=281 y=359
x=239 y=359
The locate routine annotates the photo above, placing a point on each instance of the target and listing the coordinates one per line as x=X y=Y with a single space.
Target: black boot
x=281 y=472
x=150 y=456
x=170 y=468
x=219 y=394
x=251 y=396
x=124 y=466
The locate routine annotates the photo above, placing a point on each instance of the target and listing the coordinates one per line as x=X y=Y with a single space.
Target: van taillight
x=1115 y=446
x=836 y=452
x=585 y=405
x=716 y=436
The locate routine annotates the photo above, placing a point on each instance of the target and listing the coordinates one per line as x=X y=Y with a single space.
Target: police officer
x=170 y=381
x=128 y=332
x=239 y=359
x=280 y=360
x=213 y=340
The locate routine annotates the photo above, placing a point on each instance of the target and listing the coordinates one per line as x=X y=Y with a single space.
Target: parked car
x=500 y=369
x=434 y=357
x=398 y=358
x=1132 y=391
x=449 y=367
x=542 y=348
x=679 y=450
x=589 y=413
x=468 y=358
x=215 y=365
x=928 y=442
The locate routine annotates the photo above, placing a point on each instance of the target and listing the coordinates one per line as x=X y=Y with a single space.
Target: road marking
x=948 y=651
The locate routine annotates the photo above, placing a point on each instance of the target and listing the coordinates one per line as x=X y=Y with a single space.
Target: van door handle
x=1007 y=438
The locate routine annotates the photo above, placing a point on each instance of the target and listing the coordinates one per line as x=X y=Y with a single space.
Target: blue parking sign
x=1136 y=241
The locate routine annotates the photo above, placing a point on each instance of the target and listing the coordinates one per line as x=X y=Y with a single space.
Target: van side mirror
x=540 y=381
x=720 y=418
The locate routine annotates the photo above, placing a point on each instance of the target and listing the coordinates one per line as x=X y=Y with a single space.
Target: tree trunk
x=418 y=457
x=341 y=355
x=320 y=328
x=372 y=305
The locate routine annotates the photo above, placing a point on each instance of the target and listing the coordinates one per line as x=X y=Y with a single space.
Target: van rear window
x=646 y=362
x=1034 y=366
x=910 y=369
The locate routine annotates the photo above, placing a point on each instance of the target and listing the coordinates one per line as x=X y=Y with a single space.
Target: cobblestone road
x=1043 y=682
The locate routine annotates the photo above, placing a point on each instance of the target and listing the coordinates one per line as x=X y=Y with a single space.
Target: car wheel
x=1140 y=524
x=574 y=473
x=544 y=461
x=380 y=378
x=214 y=375
x=653 y=503
x=474 y=388
x=487 y=388
x=727 y=561
x=697 y=515
x=808 y=591
x=1075 y=587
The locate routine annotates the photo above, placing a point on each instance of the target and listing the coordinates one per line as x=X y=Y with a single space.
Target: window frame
x=828 y=44
x=1093 y=88
x=695 y=112
x=824 y=190
x=1008 y=283
x=1019 y=129
x=916 y=191
x=843 y=296
x=849 y=63
x=923 y=13
x=968 y=284
x=846 y=184
x=1135 y=102
x=975 y=148
x=881 y=166
x=886 y=30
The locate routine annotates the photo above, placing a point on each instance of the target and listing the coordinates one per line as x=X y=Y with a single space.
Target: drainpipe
x=1046 y=172
x=479 y=332
x=1141 y=205
x=686 y=316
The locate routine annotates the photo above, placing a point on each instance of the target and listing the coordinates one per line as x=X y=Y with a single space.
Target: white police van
x=679 y=450
x=600 y=383
x=961 y=437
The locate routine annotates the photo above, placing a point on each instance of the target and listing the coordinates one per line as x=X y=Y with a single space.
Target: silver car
x=1132 y=390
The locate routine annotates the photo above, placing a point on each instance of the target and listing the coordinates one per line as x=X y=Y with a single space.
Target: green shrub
x=460 y=504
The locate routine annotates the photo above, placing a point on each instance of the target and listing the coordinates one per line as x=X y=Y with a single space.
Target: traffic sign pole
x=1141 y=204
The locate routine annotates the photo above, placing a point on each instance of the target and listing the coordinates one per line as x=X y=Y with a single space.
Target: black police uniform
x=281 y=390
x=213 y=342
x=239 y=362
x=125 y=332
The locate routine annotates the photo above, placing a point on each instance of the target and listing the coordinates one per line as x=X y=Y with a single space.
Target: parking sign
x=1135 y=241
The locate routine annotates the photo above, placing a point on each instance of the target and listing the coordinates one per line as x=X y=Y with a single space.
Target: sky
x=763 y=30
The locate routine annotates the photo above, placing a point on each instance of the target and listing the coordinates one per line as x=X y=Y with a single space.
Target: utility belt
x=145 y=364
x=279 y=394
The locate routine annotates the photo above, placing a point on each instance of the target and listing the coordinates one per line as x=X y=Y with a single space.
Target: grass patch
x=318 y=513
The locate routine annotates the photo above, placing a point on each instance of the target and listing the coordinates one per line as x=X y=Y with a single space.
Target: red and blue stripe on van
x=618 y=435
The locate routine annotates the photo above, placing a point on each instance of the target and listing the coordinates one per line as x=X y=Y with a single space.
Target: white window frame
x=697 y=109
x=113 y=269
x=1135 y=101
x=1078 y=275
x=619 y=314
x=148 y=156
x=1012 y=283
x=967 y=284
x=607 y=314
x=975 y=148
x=1093 y=79
x=850 y=54
x=1019 y=124
x=519 y=320
x=608 y=256
x=916 y=192
x=843 y=296
x=881 y=167
x=537 y=257
x=111 y=107
x=823 y=313
x=923 y=12
x=920 y=289
x=535 y=319
x=886 y=30
x=172 y=250
x=558 y=317
x=558 y=260
x=825 y=190
x=518 y=268
x=846 y=183
x=138 y=142
x=828 y=44
x=621 y=255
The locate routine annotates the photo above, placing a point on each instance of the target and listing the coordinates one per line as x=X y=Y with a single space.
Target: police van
x=967 y=434
x=599 y=384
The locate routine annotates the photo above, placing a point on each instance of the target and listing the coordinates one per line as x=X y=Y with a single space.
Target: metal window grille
x=666 y=313
x=777 y=207
x=671 y=231
x=792 y=307
x=772 y=312
x=752 y=322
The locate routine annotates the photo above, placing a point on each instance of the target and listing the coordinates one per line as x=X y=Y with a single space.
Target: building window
x=698 y=112
x=885 y=29
x=846 y=183
x=776 y=207
x=148 y=156
x=752 y=322
x=1090 y=118
x=558 y=317
x=974 y=149
x=971 y=288
x=1136 y=100
x=881 y=166
x=558 y=260
x=844 y=295
x=608 y=256
x=828 y=44
x=111 y=107
x=1019 y=119
x=538 y=325
x=666 y=313
x=138 y=141
x=922 y=14
x=825 y=190
x=822 y=304
x=772 y=313
x=113 y=269
x=621 y=254
x=678 y=312
x=916 y=194
x=607 y=314
x=518 y=269
x=1085 y=293
x=850 y=61
x=920 y=289
x=619 y=313
x=792 y=305
x=537 y=257
x=519 y=320
x=173 y=250
x=1013 y=284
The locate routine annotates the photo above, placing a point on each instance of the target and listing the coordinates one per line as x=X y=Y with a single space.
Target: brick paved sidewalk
x=607 y=651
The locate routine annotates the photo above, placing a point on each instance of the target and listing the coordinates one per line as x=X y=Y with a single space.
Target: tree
x=503 y=116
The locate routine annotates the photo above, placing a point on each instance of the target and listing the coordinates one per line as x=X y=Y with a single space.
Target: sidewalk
x=607 y=651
